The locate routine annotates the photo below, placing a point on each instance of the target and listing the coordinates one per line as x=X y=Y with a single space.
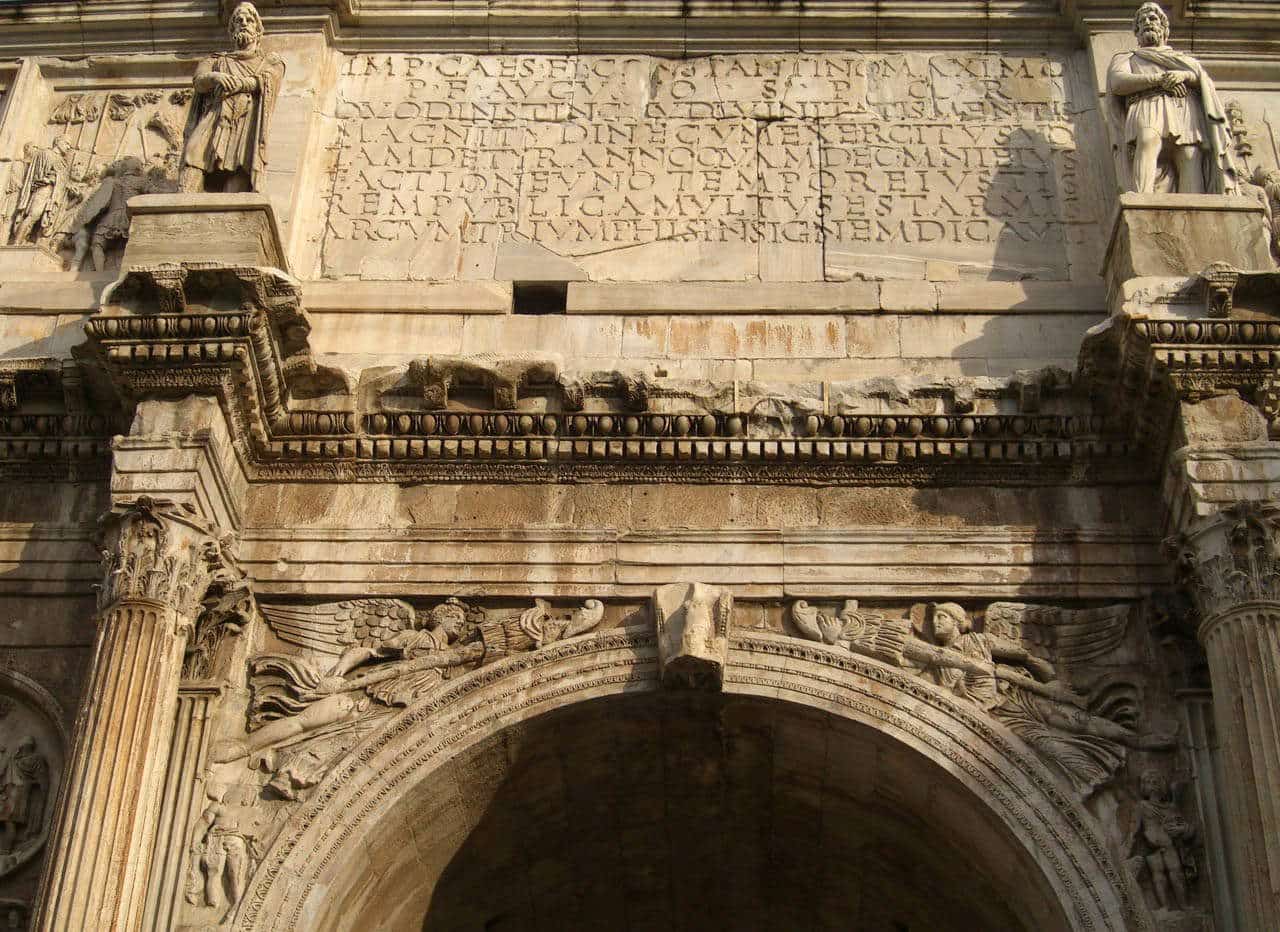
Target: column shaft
x=1242 y=645
x=97 y=871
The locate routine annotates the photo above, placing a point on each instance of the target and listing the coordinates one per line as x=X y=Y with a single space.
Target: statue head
x=949 y=622
x=449 y=616
x=245 y=26
x=1151 y=25
x=1153 y=784
x=129 y=165
x=62 y=145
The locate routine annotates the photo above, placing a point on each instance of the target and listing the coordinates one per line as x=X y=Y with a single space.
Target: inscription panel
x=780 y=167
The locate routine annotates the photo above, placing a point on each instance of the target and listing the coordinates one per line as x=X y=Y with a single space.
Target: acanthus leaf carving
x=1233 y=559
x=155 y=550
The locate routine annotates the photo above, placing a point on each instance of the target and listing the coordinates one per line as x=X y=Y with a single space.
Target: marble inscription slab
x=773 y=167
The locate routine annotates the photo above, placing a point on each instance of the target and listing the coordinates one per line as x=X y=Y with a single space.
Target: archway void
x=680 y=811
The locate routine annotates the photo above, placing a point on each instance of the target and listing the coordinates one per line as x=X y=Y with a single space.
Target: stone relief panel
x=1089 y=691
x=32 y=757
x=96 y=149
x=737 y=167
x=1085 y=689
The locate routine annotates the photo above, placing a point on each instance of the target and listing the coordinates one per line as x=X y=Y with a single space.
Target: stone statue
x=24 y=788
x=1160 y=840
x=43 y=192
x=1172 y=129
x=235 y=94
x=102 y=221
x=225 y=847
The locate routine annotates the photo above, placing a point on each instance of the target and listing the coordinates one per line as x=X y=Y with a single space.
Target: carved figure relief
x=235 y=93
x=43 y=194
x=225 y=848
x=101 y=222
x=30 y=767
x=1004 y=670
x=1161 y=843
x=1171 y=128
x=106 y=147
x=380 y=651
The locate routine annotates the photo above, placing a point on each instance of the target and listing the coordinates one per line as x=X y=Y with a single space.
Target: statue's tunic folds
x=228 y=127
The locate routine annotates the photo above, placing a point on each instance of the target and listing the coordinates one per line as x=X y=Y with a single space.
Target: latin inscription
x=785 y=167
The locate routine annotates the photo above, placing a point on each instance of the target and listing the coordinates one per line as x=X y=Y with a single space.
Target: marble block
x=237 y=229
x=1178 y=235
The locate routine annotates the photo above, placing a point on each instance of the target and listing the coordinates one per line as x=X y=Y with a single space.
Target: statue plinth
x=1179 y=235
x=232 y=229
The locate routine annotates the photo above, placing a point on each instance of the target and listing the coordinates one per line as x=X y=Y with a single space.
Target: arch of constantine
x=747 y=465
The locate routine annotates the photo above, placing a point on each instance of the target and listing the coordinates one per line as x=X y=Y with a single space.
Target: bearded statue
x=1171 y=129
x=235 y=93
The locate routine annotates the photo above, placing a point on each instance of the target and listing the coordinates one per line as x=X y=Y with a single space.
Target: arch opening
x=670 y=810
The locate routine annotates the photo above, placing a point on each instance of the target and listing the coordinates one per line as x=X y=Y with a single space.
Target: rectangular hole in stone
x=539 y=297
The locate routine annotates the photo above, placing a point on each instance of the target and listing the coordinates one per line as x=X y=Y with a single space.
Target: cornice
x=1140 y=368
x=292 y=420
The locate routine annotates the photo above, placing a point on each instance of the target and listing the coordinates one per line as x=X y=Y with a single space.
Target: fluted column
x=1230 y=564
x=159 y=561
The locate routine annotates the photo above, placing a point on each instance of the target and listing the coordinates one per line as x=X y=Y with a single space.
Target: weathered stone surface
x=1179 y=235
x=797 y=168
x=232 y=229
x=767 y=351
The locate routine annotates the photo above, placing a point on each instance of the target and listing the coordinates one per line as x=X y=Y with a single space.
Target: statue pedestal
x=231 y=229
x=1178 y=235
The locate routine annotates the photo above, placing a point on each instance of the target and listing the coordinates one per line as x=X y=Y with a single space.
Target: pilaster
x=1230 y=566
x=160 y=560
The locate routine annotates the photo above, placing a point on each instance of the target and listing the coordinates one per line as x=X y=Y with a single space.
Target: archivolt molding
x=413 y=744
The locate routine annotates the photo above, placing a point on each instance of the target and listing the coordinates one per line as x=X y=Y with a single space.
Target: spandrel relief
x=1088 y=690
x=340 y=662
x=326 y=677
x=98 y=149
x=737 y=167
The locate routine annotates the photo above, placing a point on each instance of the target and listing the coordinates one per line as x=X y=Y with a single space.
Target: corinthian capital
x=155 y=550
x=1231 y=559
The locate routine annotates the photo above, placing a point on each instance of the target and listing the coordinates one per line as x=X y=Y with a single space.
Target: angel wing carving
x=332 y=627
x=1068 y=636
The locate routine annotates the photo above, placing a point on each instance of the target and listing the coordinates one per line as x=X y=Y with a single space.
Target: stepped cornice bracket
x=236 y=331
x=1140 y=368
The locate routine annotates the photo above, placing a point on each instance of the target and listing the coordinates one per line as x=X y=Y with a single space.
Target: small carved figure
x=43 y=193
x=102 y=221
x=235 y=94
x=24 y=788
x=224 y=848
x=1172 y=129
x=1161 y=840
x=948 y=625
x=1268 y=180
